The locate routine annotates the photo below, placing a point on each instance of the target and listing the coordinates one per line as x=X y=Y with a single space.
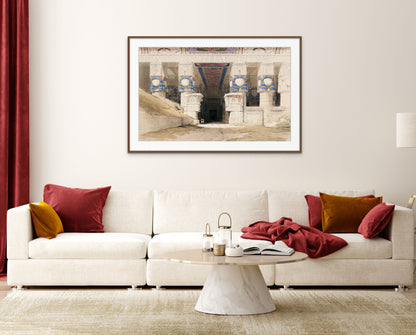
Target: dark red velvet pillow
x=315 y=210
x=80 y=210
x=376 y=220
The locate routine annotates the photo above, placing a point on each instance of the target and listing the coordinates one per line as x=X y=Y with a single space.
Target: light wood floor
x=4 y=289
x=410 y=294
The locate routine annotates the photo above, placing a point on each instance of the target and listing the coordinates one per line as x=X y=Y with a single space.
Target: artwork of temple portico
x=239 y=86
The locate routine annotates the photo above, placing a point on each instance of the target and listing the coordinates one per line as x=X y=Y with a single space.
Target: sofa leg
x=286 y=288
x=158 y=287
x=134 y=288
x=19 y=288
x=401 y=288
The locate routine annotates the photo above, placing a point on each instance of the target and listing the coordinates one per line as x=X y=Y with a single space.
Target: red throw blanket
x=305 y=239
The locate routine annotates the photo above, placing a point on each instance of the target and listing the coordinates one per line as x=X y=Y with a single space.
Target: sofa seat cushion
x=164 y=243
x=360 y=247
x=90 y=246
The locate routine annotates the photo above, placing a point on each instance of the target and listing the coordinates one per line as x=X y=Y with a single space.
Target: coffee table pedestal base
x=235 y=290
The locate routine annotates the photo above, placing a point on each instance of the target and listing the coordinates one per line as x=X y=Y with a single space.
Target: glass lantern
x=207 y=239
x=224 y=236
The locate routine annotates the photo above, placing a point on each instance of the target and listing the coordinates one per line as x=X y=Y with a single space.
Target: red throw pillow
x=315 y=210
x=376 y=220
x=80 y=210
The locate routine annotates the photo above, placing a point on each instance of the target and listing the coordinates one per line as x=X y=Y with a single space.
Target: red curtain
x=14 y=112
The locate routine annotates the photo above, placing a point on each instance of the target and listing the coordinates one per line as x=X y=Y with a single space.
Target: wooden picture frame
x=214 y=94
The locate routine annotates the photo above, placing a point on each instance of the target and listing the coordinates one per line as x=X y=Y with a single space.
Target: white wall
x=358 y=68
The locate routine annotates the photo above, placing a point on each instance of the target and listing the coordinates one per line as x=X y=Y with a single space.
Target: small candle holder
x=207 y=239
x=234 y=251
x=219 y=249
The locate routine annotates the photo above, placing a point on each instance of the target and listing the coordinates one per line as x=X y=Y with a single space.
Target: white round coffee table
x=235 y=285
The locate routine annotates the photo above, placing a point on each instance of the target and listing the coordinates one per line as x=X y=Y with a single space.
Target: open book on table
x=278 y=249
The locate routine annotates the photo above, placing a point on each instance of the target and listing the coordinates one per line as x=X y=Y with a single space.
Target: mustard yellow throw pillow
x=344 y=214
x=45 y=220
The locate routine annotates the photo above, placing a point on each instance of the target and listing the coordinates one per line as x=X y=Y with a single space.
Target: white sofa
x=141 y=226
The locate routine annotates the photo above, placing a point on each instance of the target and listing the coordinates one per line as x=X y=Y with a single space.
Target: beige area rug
x=171 y=311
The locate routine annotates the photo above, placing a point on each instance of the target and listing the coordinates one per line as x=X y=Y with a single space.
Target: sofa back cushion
x=293 y=203
x=128 y=211
x=189 y=211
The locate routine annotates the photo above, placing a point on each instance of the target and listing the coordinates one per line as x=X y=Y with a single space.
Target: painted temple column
x=158 y=83
x=190 y=100
x=266 y=87
x=284 y=86
x=235 y=101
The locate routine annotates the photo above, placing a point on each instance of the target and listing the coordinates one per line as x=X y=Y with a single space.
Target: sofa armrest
x=401 y=232
x=19 y=232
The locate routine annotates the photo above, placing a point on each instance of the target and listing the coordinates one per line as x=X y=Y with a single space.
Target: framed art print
x=214 y=94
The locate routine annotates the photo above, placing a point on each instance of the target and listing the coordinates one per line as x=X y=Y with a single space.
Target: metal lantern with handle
x=224 y=236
